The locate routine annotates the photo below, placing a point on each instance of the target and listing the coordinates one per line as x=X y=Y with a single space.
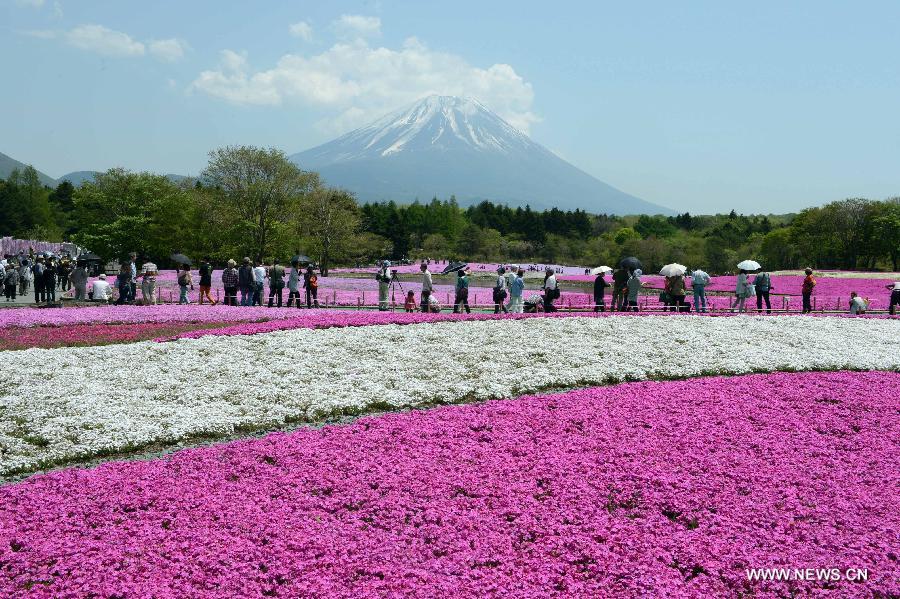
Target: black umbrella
x=630 y=263
x=89 y=257
x=301 y=259
x=453 y=267
x=181 y=259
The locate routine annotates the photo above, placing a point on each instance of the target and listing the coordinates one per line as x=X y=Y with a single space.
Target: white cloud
x=358 y=83
x=169 y=50
x=352 y=26
x=104 y=41
x=303 y=30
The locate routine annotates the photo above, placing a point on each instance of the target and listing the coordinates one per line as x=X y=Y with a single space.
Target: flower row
x=75 y=404
x=645 y=489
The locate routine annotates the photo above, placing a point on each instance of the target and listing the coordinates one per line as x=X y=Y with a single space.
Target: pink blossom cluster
x=13 y=338
x=643 y=489
x=10 y=246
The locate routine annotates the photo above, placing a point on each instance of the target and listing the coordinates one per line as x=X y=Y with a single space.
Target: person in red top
x=808 y=284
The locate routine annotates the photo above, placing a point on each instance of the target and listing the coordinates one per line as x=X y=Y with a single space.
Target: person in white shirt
x=427 y=287
x=259 y=280
x=510 y=278
x=857 y=304
x=148 y=285
x=101 y=290
x=551 y=290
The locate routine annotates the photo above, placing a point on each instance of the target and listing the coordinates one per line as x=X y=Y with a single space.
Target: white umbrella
x=748 y=265
x=600 y=269
x=673 y=270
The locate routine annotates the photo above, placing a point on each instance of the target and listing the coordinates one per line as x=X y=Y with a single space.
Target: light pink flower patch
x=644 y=489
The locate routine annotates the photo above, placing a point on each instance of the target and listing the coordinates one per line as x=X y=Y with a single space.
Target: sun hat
x=231 y=262
x=102 y=276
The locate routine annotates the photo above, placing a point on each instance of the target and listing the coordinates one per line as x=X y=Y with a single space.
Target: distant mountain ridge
x=76 y=178
x=445 y=145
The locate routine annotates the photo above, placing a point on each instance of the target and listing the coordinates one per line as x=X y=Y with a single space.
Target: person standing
x=427 y=287
x=10 y=283
x=551 y=290
x=245 y=282
x=63 y=271
x=311 y=284
x=633 y=286
x=259 y=283
x=676 y=293
x=699 y=281
x=276 y=283
x=384 y=285
x=149 y=273
x=806 y=289
x=763 y=284
x=230 y=280
x=895 y=297
x=205 y=272
x=516 y=289
x=620 y=291
x=50 y=281
x=184 y=281
x=500 y=292
x=462 y=292
x=740 y=292
x=80 y=281
x=123 y=283
x=600 y=286
x=511 y=273
x=25 y=275
x=293 y=284
x=132 y=286
x=37 y=272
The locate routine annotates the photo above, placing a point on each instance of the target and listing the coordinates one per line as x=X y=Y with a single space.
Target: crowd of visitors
x=245 y=285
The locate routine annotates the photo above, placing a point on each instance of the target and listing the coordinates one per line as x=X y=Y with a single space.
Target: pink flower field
x=643 y=489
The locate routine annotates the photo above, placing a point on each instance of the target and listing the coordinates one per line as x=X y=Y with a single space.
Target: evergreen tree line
x=254 y=202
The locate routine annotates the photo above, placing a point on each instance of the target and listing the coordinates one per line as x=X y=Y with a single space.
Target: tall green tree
x=330 y=222
x=260 y=190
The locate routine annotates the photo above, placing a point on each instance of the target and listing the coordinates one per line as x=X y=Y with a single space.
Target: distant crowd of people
x=49 y=274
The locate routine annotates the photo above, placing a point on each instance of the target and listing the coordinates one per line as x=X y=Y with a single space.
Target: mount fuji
x=443 y=145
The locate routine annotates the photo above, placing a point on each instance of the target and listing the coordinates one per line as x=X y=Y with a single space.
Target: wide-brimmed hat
x=231 y=262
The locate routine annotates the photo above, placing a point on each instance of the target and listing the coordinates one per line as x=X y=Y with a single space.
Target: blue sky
x=700 y=106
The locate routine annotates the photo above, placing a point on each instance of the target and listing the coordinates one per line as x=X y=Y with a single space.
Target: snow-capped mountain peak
x=436 y=122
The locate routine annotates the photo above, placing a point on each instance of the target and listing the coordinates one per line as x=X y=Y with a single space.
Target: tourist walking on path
x=740 y=292
x=276 y=284
x=462 y=292
x=184 y=281
x=311 y=284
x=293 y=285
x=148 y=283
x=10 y=283
x=809 y=283
x=205 y=272
x=230 y=280
x=245 y=282
x=762 y=282
x=600 y=286
x=37 y=272
x=499 y=292
x=384 y=285
x=516 y=289
x=427 y=288
x=699 y=281
x=551 y=290
x=80 y=280
x=259 y=283
x=24 y=276
x=633 y=286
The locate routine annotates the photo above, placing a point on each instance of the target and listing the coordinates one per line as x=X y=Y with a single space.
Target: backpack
x=184 y=278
